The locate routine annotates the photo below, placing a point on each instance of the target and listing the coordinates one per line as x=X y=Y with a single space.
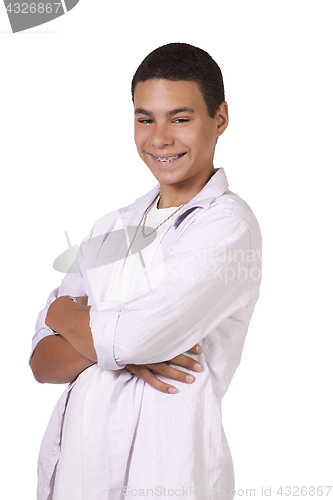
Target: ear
x=221 y=118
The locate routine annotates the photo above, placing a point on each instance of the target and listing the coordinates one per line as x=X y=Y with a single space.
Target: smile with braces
x=168 y=158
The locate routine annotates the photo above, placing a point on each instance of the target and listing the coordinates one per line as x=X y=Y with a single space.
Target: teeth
x=167 y=158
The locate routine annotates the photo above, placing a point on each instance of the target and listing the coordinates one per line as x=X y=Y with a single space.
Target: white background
x=68 y=157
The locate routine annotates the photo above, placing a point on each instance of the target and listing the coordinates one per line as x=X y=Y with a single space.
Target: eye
x=181 y=120
x=145 y=121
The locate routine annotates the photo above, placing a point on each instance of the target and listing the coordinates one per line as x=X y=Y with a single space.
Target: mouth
x=166 y=159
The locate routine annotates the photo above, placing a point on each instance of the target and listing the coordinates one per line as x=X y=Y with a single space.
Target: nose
x=161 y=136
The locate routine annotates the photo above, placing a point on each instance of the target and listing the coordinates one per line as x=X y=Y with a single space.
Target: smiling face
x=175 y=136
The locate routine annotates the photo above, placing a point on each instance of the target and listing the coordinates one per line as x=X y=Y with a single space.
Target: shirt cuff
x=103 y=322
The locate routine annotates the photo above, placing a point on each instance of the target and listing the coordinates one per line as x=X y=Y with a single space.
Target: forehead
x=165 y=95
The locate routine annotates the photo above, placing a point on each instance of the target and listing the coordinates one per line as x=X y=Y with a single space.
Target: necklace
x=147 y=212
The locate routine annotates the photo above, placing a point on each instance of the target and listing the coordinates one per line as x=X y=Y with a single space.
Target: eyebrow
x=180 y=110
x=141 y=111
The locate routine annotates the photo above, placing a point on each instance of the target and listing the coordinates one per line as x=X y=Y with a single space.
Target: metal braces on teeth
x=168 y=158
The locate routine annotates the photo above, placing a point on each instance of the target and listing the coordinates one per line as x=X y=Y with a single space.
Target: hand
x=53 y=312
x=145 y=371
x=71 y=321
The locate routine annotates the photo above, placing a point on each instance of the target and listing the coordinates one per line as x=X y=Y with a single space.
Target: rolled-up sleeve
x=211 y=273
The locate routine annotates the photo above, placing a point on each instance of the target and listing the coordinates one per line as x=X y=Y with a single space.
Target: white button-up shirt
x=202 y=287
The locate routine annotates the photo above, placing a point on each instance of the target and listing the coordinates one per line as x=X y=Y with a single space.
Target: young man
x=187 y=272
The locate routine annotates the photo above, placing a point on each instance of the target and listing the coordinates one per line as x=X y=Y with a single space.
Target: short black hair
x=181 y=61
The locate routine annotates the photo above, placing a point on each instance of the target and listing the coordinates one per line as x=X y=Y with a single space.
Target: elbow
x=47 y=376
x=36 y=372
x=43 y=367
x=38 y=369
x=44 y=376
x=39 y=379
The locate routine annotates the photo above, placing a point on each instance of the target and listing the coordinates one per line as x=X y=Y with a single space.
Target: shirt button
x=54 y=453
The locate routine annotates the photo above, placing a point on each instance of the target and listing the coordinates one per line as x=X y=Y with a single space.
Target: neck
x=165 y=202
x=173 y=197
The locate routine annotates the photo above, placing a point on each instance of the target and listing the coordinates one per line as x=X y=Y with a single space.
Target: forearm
x=55 y=361
x=71 y=321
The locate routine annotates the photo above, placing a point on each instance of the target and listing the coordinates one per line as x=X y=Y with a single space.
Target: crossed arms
x=56 y=360
x=195 y=296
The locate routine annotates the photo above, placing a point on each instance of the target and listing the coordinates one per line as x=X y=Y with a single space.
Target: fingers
x=169 y=371
x=197 y=349
x=145 y=374
x=187 y=362
x=145 y=371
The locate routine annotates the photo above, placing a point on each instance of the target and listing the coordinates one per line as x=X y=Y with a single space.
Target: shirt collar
x=216 y=186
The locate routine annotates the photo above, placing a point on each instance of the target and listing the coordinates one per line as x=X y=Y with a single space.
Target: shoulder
x=229 y=209
x=233 y=206
x=224 y=221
